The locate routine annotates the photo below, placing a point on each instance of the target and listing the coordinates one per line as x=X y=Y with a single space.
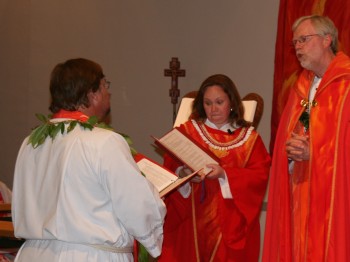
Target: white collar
x=224 y=128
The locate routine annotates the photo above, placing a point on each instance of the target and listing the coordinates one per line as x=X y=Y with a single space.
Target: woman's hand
x=197 y=179
x=185 y=171
x=216 y=172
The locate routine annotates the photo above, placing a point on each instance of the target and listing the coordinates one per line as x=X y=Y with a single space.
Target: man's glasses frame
x=303 y=39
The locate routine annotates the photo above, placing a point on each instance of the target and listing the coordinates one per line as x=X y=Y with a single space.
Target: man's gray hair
x=323 y=25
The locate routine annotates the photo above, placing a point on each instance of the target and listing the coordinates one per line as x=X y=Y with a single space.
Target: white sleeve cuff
x=225 y=188
x=184 y=190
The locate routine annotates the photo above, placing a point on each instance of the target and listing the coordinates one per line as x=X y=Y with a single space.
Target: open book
x=182 y=147
x=164 y=180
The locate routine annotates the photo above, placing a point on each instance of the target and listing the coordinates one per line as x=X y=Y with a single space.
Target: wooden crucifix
x=174 y=91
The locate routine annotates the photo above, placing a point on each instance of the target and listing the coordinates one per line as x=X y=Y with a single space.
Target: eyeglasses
x=303 y=39
x=107 y=84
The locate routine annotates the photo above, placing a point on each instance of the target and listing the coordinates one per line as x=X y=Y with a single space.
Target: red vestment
x=218 y=229
x=317 y=193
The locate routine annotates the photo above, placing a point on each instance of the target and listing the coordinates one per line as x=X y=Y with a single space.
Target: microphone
x=230 y=131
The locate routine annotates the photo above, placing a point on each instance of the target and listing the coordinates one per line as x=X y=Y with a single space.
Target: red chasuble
x=309 y=210
x=207 y=227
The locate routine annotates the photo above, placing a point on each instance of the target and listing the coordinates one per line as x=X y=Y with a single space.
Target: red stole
x=77 y=115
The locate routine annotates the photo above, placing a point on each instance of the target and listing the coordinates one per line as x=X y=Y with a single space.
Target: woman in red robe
x=216 y=217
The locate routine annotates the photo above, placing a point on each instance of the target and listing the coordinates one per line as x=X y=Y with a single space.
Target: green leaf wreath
x=50 y=129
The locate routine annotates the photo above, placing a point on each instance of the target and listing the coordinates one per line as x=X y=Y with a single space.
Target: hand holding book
x=163 y=179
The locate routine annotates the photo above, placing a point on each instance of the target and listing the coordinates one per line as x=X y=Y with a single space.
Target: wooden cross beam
x=174 y=91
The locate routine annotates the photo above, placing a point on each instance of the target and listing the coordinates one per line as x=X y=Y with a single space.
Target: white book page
x=158 y=176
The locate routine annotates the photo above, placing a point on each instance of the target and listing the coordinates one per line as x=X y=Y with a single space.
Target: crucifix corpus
x=174 y=91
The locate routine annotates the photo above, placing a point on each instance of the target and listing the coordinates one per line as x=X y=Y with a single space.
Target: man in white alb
x=78 y=194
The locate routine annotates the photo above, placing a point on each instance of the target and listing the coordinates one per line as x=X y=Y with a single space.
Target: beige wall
x=134 y=42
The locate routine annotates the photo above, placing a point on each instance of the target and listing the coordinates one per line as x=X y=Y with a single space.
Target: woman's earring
x=231 y=109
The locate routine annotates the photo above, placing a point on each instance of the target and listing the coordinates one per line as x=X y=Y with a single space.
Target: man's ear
x=93 y=97
x=327 y=40
x=93 y=101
